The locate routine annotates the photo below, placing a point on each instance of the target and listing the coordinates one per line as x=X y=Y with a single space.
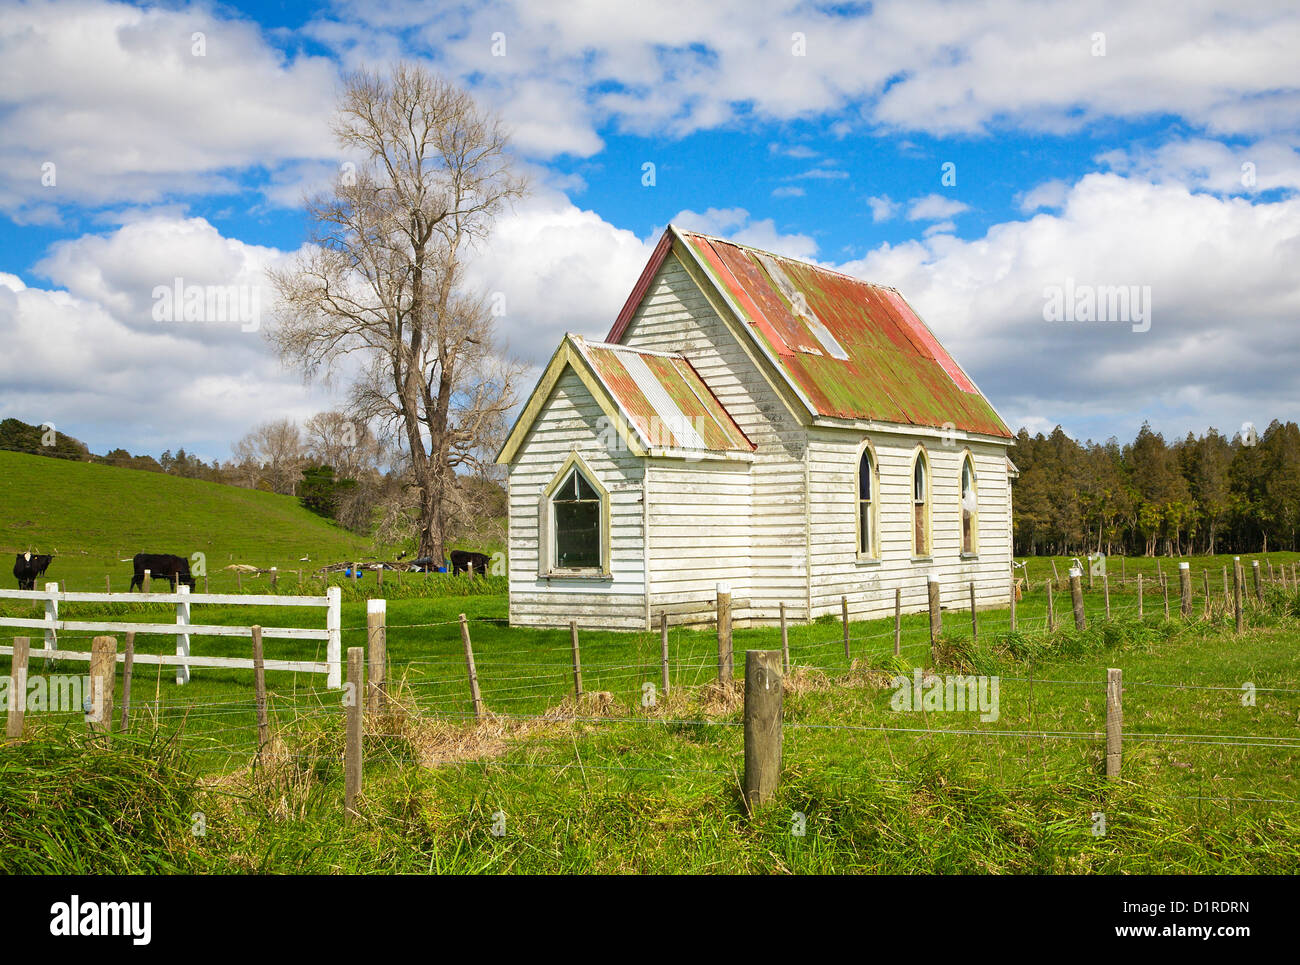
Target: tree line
x=1199 y=494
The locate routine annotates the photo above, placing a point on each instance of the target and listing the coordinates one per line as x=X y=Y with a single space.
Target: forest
x=1199 y=494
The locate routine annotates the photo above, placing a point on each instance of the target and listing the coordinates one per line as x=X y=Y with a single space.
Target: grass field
x=609 y=785
x=606 y=784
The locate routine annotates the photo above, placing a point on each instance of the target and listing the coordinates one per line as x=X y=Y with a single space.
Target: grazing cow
x=159 y=565
x=28 y=567
x=462 y=560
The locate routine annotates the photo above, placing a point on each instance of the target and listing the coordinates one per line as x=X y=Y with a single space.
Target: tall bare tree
x=384 y=278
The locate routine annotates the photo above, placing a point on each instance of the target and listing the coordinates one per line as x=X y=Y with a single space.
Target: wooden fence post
x=844 y=618
x=1123 y=571
x=1238 y=578
x=1227 y=593
x=763 y=720
x=898 y=620
x=726 y=664
x=128 y=665
x=352 y=755
x=147 y=583
x=1114 y=722
x=377 y=659
x=259 y=692
x=577 y=660
x=18 y=692
x=1259 y=590
x=182 y=639
x=1206 y=575
x=936 y=611
x=1056 y=577
x=1164 y=588
x=663 y=650
x=1076 y=598
x=103 y=670
x=1051 y=607
x=473 y=674
x=275 y=579
x=974 y=621
x=1185 y=588
x=1105 y=589
x=1140 y=597
x=239 y=581
x=108 y=583
x=785 y=642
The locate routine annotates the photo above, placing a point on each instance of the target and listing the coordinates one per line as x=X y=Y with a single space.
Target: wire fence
x=526 y=691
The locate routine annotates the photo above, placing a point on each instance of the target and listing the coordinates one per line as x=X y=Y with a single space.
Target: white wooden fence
x=184 y=628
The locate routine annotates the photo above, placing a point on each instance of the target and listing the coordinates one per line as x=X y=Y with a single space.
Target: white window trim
x=921 y=453
x=547 y=568
x=872 y=557
x=968 y=458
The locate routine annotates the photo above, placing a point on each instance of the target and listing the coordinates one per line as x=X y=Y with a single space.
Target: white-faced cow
x=28 y=568
x=161 y=565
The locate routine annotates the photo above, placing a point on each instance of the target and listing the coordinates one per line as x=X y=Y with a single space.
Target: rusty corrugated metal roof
x=853 y=350
x=664 y=398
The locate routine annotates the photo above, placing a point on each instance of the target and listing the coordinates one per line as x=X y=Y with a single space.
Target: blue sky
x=1092 y=145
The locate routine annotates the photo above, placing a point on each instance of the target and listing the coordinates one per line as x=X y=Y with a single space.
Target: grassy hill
x=92 y=516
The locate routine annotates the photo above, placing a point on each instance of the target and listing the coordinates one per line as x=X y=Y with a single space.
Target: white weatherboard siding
x=833 y=460
x=676 y=316
x=700 y=533
x=570 y=420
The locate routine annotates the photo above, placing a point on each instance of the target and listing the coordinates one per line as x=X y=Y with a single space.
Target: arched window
x=867 y=485
x=577 y=511
x=921 y=505
x=969 y=507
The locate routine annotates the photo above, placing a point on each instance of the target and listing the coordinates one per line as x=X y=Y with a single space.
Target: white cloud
x=113 y=96
x=788 y=191
x=1049 y=194
x=1213 y=165
x=1221 y=348
x=882 y=209
x=561 y=269
x=935 y=207
x=680 y=66
x=735 y=224
x=90 y=357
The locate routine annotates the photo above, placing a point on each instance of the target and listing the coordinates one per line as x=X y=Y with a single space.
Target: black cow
x=462 y=560
x=159 y=565
x=28 y=567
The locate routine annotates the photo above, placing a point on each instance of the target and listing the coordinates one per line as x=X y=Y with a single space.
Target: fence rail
x=183 y=628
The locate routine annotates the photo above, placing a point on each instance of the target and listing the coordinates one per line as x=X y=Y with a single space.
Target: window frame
x=968 y=460
x=872 y=554
x=548 y=568
x=920 y=456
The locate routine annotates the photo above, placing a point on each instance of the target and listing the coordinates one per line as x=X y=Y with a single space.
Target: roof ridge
x=800 y=261
x=617 y=347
